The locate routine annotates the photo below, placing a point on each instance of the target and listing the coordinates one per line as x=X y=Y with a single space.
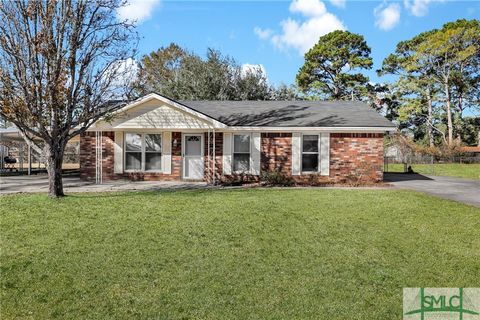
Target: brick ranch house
x=156 y=138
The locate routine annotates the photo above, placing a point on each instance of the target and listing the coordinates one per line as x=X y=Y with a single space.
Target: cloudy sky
x=276 y=34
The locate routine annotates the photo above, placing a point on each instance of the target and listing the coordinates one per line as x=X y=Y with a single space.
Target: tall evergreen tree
x=331 y=66
x=438 y=75
x=415 y=86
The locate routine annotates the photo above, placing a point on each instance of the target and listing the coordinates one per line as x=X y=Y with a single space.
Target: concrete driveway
x=458 y=189
x=39 y=183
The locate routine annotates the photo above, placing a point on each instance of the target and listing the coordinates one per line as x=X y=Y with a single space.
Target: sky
x=276 y=34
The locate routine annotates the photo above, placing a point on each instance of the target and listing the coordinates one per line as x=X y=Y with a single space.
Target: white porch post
x=98 y=158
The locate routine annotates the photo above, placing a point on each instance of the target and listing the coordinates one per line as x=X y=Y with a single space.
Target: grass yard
x=470 y=171
x=231 y=254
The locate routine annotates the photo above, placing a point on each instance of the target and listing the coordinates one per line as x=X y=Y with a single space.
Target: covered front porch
x=153 y=138
x=151 y=155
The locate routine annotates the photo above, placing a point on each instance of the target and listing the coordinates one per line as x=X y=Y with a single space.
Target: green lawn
x=470 y=171
x=231 y=254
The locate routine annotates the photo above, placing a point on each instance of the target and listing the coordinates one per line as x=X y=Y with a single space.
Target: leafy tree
x=60 y=63
x=452 y=53
x=160 y=71
x=438 y=75
x=284 y=92
x=467 y=129
x=383 y=99
x=252 y=84
x=179 y=74
x=414 y=85
x=331 y=66
x=465 y=84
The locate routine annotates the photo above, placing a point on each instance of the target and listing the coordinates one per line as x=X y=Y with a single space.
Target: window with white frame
x=153 y=152
x=143 y=152
x=310 y=154
x=133 y=151
x=241 y=153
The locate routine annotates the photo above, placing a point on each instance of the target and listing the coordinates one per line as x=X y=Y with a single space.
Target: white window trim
x=143 y=152
x=317 y=153
x=125 y=151
x=250 y=164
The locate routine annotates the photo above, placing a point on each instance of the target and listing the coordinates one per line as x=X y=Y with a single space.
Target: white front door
x=193 y=156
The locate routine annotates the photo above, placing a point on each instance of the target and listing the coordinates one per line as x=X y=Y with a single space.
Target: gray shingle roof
x=291 y=113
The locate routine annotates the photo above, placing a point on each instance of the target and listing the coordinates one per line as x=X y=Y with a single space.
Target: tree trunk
x=430 y=119
x=336 y=92
x=449 y=114
x=54 y=169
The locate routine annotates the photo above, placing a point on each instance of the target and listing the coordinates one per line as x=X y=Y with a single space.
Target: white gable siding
x=162 y=117
x=155 y=115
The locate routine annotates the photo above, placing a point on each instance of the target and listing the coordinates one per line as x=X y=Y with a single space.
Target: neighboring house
x=474 y=151
x=156 y=138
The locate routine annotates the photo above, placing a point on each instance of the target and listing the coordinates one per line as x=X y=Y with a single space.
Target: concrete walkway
x=458 y=189
x=39 y=183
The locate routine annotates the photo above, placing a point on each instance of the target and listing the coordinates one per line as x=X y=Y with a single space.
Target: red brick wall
x=87 y=156
x=177 y=155
x=218 y=156
x=353 y=156
x=356 y=156
x=88 y=152
x=276 y=152
x=87 y=160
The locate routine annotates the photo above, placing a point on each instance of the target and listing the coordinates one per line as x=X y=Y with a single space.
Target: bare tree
x=61 y=63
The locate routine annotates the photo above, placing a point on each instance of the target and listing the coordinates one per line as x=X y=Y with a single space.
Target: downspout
x=98 y=158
